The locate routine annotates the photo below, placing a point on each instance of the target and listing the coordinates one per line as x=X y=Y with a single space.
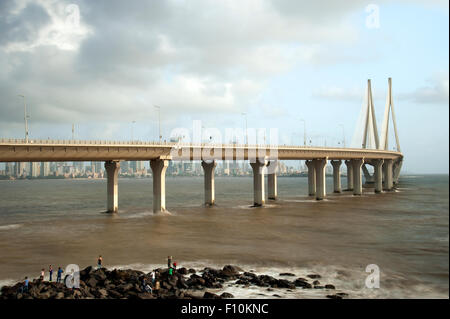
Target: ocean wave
x=350 y=281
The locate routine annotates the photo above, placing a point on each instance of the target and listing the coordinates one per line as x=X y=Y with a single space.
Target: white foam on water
x=7 y=282
x=11 y=226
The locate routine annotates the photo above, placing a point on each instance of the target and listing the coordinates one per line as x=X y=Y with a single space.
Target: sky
x=290 y=66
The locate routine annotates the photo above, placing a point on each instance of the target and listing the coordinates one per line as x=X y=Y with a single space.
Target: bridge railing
x=162 y=143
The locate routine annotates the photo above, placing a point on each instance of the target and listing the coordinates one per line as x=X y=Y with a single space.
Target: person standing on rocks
x=175 y=266
x=59 y=274
x=42 y=274
x=153 y=277
x=25 y=285
x=169 y=261
x=99 y=262
x=170 y=271
x=50 y=271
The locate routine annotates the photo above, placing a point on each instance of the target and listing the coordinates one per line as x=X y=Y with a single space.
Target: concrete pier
x=159 y=167
x=208 y=168
x=272 y=179
x=311 y=178
x=388 y=175
x=337 y=175
x=349 y=175
x=357 y=177
x=378 y=175
x=258 y=183
x=112 y=173
x=320 y=165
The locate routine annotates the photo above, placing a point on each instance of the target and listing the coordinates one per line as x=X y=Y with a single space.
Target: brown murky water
x=405 y=233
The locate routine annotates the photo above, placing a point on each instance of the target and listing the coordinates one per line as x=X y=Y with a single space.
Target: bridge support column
x=378 y=175
x=208 y=168
x=357 y=177
x=320 y=178
x=388 y=172
x=349 y=175
x=311 y=178
x=272 y=179
x=112 y=173
x=258 y=183
x=159 y=167
x=337 y=175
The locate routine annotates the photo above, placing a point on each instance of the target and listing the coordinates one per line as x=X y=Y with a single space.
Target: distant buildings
x=22 y=170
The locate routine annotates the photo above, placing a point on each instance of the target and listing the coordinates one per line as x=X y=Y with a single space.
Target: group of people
x=155 y=285
x=26 y=282
x=172 y=267
x=50 y=272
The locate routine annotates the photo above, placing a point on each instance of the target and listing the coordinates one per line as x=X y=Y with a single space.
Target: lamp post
x=25 y=117
x=159 y=120
x=132 y=137
x=304 y=131
x=246 y=129
x=343 y=134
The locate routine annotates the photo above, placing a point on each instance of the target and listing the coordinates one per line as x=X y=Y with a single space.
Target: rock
x=319 y=287
x=232 y=270
x=145 y=295
x=334 y=297
x=275 y=295
x=330 y=286
x=269 y=289
x=286 y=274
x=342 y=294
x=191 y=271
x=301 y=283
x=182 y=271
x=59 y=295
x=316 y=282
x=210 y=295
x=283 y=283
x=103 y=292
x=92 y=282
x=115 y=294
x=226 y=295
x=314 y=276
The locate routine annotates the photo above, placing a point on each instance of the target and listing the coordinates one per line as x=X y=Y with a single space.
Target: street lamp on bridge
x=25 y=117
x=304 y=131
x=246 y=129
x=159 y=120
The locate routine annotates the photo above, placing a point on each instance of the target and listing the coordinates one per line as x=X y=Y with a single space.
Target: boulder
x=330 y=286
x=287 y=274
x=314 y=276
x=226 y=295
x=210 y=295
x=182 y=271
x=92 y=282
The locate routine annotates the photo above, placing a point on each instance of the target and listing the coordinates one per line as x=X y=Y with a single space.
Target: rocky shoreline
x=182 y=284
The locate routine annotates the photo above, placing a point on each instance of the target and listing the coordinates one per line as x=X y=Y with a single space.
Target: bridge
x=262 y=158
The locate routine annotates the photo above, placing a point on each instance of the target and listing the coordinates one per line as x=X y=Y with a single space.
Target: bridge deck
x=16 y=150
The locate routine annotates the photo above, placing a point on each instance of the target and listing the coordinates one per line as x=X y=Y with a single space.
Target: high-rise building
x=34 y=169
x=20 y=169
x=9 y=169
x=45 y=169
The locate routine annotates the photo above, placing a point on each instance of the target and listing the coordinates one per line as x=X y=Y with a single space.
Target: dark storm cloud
x=23 y=26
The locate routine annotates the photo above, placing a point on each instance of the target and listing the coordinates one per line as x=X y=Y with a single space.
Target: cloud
x=434 y=93
x=103 y=60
